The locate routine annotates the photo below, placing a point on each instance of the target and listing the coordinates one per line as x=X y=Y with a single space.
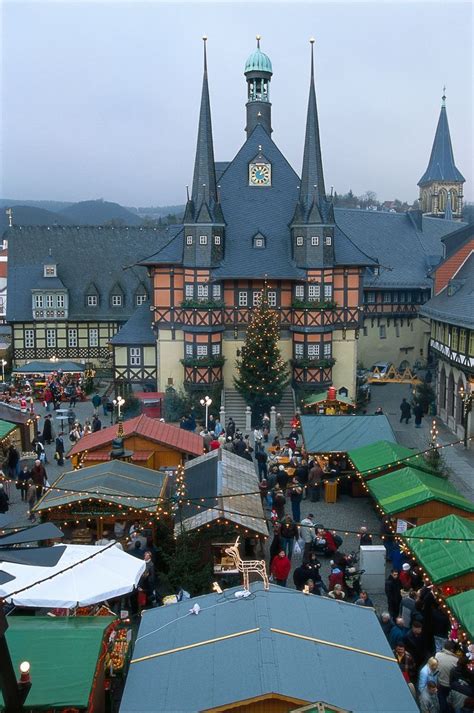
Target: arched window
x=451 y=400
x=442 y=198
x=454 y=200
x=459 y=404
x=442 y=388
x=425 y=202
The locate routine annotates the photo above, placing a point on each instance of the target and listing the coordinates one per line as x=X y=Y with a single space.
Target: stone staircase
x=235 y=406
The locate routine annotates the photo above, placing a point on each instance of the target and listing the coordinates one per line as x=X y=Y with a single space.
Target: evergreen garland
x=263 y=375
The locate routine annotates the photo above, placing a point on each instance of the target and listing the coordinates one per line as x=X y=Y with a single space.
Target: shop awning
x=409 y=487
x=380 y=455
x=63 y=653
x=443 y=557
x=462 y=606
x=47 y=367
x=99 y=573
x=340 y=434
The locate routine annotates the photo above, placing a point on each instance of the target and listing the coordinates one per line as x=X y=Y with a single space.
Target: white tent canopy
x=111 y=573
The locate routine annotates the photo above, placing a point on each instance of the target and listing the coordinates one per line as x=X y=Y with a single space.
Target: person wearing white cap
x=405 y=576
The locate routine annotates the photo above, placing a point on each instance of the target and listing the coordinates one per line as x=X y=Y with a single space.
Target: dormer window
x=376 y=271
x=117 y=300
x=140 y=299
x=315 y=240
x=189 y=239
x=328 y=240
x=217 y=239
x=259 y=241
x=203 y=240
x=299 y=240
x=92 y=300
x=50 y=271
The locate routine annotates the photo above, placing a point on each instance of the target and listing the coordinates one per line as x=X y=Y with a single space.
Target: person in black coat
x=393 y=588
x=405 y=410
x=4 y=500
x=47 y=430
x=60 y=449
x=13 y=459
x=415 y=644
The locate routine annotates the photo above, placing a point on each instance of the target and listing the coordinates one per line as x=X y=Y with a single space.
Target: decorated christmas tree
x=262 y=374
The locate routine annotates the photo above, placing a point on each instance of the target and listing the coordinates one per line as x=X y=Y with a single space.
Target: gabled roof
x=441 y=166
x=329 y=434
x=150 y=428
x=455 y=306
x=409 y=487
x=222 y=473
x=138 y=329
x=116 y=482
x=438 y=548
x=277 y=642
x=380 y=455
x=462 y=606
x=250 y=209
x=102 y=254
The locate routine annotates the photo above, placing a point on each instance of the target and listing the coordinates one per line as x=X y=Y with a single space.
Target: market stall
x=444 y=550
x=417 y=497
x=153 y=443
x=212 y=481
x=104 y=497
x=84 y=575
x=329 y=439
x=66 y=657
x=462 y=608
x=23 y=420
x=36 y=375
x=382 y=457
x=328 y=403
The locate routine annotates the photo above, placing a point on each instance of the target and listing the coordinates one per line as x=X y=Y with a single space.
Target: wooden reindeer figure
x=246 y=566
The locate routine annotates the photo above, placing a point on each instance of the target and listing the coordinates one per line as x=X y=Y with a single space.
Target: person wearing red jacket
x=336 y=576
x=405 y=577
x=280 y=568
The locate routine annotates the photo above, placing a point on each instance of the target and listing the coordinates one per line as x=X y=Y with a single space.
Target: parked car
x=379 y=370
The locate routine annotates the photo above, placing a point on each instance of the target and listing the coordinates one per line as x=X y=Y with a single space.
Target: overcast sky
x=102 y=99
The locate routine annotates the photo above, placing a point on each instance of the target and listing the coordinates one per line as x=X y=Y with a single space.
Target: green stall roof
x=380 y=455
x=462 y=605
x=63 y=653
x=6 y=428
x=440 y=559
x=409 y=487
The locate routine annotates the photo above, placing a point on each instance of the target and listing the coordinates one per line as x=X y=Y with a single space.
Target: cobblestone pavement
x=459 y=460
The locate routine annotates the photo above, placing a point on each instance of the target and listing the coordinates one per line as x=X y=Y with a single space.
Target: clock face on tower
x=260 y=174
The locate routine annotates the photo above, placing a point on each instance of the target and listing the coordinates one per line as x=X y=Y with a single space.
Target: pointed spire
x=312 y=178
x=204 y=179
x=441 y=166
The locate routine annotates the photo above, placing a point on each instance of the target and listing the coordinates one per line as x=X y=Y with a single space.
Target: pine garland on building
x=263 y=375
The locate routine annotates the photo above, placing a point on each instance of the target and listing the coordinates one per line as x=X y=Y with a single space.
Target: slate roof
x=441 y=166
x=456 y=308
x=406 y=254
x=222 y=473
x=277 y=642
x=84 y=255
x=113 y=482
x=138 y=329
x=150 y=428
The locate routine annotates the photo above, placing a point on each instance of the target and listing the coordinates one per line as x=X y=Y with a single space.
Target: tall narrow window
x=29 y=338
x=189 y=350
x=93 y=337
x=216 y=349
x=272 y=299
x=314 y=292
x=203 y=292
x=299 y=292
x=189 y=291
x=201 y=350
x=257 y=298
x=299 y=351
x=327 y=292
x=327 y=350
x=135 y=355
x=216 y=292
x=60 y=301
x=50 y=338
x=313 y=351
x=72 y=337
x=242 y=299
x=39 y=301
x=49 y=301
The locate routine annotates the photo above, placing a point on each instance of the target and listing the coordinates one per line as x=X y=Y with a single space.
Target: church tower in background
x=441 y=186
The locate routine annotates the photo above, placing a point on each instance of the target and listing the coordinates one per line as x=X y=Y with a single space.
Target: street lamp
x=206 y=401
x=4 y=363
x=118 y=402
x=466 y=398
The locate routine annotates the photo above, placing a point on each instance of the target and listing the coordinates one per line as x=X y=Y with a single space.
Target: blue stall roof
x=278 y=642
x=339 y=434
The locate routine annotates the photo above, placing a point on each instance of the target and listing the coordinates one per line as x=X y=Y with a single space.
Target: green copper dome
x=258 y=62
